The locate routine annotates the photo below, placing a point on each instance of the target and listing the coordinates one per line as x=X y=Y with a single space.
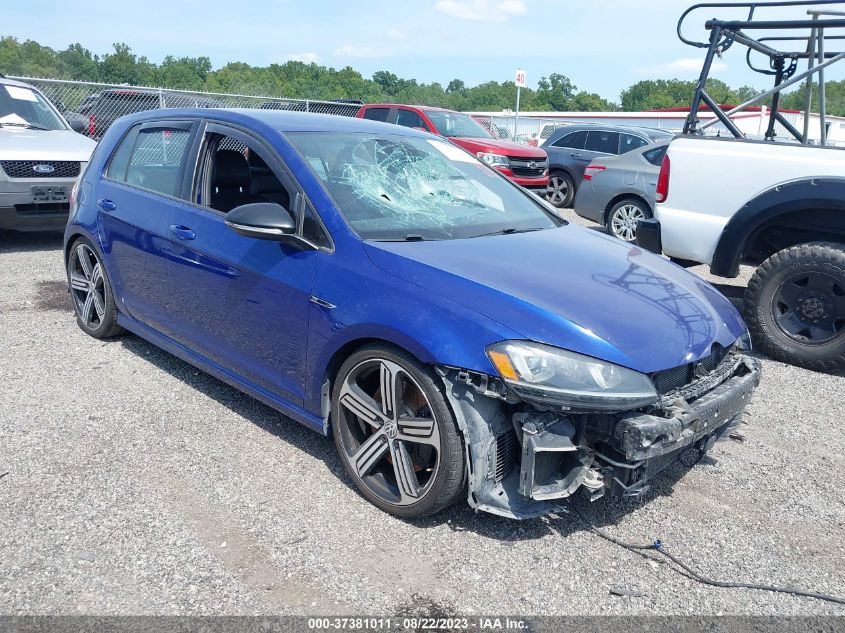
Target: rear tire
x=623 y=216
x=561 y=190
x=795 y=306
x=403 y=452
x=90 y=290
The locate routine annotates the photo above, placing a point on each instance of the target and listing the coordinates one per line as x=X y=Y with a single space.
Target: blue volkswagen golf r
x=456 y=337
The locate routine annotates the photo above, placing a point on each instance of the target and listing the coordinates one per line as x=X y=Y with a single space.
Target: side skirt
x=221 y=373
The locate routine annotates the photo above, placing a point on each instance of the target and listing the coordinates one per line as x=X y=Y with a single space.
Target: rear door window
x=410 y=119
x=602 y=142
x=376 y=114
x=152 y=158
x=630 y=142
x=575 y=140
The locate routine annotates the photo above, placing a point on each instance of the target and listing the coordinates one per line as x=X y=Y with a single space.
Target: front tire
x=561 y=190
x=90 y=290
x=396 y=434
x=623 y=217
x=795 y=306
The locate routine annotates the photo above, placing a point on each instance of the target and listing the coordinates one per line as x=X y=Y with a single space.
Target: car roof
x=414 y=107
x=610 y=127
x=14 y=82
x=281 y=120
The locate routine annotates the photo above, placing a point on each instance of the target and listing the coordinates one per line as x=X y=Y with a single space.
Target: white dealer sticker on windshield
x=451 y=152
x=21 y=94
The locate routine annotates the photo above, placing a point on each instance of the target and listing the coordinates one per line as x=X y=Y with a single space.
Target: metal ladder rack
x=824 y=26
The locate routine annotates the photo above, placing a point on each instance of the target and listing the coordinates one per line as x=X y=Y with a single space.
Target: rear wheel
x=623 y=217
x=561 y=190
x=395 y=433
x=90 y=290
x=795 y=306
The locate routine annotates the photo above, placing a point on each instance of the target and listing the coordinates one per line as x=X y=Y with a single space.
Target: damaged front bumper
x=524 y=459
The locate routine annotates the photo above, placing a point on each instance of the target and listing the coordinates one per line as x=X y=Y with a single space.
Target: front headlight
x=743 y=343
x=494 y=160
x=556 y=376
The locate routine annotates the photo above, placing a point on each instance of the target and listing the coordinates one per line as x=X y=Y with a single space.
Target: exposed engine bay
x=525 y=454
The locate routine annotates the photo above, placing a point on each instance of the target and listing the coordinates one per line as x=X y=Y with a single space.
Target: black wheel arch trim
x=797 y=195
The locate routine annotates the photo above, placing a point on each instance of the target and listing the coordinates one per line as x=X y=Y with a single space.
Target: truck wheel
x=795 y=306
x=561 y=190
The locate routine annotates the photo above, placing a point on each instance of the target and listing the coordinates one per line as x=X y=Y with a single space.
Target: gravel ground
x=131 y=483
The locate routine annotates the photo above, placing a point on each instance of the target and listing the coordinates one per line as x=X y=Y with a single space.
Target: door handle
x=575 y=155
x=106 y=205
x=182 y=232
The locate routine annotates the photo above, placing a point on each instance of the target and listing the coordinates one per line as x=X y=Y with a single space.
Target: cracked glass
x=395 y=187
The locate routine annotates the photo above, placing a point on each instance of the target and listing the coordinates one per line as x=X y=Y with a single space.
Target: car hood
x=576 y=289
x=25 y=144
x=496 y=146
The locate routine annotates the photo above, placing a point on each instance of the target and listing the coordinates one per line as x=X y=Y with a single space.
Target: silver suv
x=40 y=159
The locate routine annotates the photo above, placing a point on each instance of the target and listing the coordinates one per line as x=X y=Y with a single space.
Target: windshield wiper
x=510 y=230
x=411 y=237
x=28 y=126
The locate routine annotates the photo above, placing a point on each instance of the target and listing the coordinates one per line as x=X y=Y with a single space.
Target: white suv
x=40 y=159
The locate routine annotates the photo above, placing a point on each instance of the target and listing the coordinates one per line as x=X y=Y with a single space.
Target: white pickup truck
x=780 y=207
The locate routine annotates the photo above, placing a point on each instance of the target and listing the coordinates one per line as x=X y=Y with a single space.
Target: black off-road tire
x=825 y=259
x=448 y=484
x=106 y=324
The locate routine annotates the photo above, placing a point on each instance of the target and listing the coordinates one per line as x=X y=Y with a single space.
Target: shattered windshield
x=395 y=187
x=24 y=107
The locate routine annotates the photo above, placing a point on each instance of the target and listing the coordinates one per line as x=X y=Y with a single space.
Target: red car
x=526 y=166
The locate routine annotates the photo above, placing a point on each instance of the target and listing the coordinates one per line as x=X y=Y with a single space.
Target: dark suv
x=572 y=147
x=103 y=108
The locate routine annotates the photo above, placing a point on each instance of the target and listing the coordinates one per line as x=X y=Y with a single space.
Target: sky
x=602 y=45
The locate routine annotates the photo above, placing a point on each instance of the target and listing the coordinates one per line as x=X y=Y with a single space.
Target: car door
x=566 y=149
x=143 y=179
x=241 y=302
x=599 y=143
x=409 y=118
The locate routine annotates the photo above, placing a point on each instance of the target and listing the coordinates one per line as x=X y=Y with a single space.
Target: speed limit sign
x=520 y=78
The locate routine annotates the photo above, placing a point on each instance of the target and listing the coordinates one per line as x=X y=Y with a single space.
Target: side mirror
x=261 y=220
x=77 y=125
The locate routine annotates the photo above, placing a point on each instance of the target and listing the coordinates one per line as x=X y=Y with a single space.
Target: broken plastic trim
x=562 y=451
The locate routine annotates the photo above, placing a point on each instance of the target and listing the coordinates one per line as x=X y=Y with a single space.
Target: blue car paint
x=240 y=309
x=577 y=289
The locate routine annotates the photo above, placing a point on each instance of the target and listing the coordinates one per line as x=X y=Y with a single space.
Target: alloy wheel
x=388 y=431
x=623 y=222
x=557 y=190
x=87 y=285
x=810 y=308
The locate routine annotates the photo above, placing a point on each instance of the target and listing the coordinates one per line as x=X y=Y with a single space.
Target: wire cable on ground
x=659 y=547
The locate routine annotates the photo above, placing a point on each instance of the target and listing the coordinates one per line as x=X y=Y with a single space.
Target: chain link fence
x=96 y=105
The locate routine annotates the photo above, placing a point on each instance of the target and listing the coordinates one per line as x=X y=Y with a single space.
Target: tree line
x=294 y=79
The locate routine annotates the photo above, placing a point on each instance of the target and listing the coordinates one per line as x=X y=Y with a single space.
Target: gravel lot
x=132 y=483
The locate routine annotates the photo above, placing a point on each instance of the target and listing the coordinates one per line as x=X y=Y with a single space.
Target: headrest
x=230 y=170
